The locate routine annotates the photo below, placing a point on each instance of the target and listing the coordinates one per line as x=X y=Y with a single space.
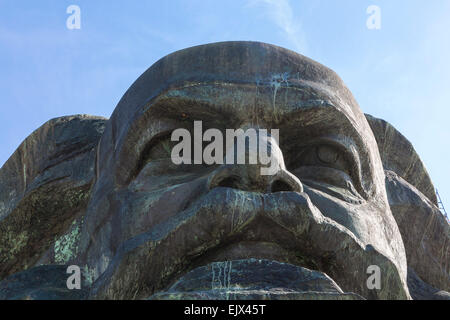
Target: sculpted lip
x=259 y=237
x=226 y=216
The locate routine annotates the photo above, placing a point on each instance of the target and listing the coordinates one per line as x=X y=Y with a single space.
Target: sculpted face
x=149 y=221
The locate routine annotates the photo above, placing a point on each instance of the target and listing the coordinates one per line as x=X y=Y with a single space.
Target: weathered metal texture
x=150 y=227
x=44 y=186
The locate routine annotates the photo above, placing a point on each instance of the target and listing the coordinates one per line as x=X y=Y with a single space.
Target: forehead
x=246 y=63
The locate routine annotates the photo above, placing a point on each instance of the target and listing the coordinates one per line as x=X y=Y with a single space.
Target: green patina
x=88 y=275
x=13 y=243
x=66 y=247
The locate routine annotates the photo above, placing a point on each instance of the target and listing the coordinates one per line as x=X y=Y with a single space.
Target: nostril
x=280 y=186
x=229 y=182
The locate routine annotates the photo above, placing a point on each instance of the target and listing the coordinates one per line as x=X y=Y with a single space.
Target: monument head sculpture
x=159 y=229
x=153 y=220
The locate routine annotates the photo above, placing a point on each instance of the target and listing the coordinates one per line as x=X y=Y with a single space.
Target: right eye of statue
x=323 y=155
x=325 y=167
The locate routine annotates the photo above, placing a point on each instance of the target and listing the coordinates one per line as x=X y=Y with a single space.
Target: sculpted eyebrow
x=185 y=111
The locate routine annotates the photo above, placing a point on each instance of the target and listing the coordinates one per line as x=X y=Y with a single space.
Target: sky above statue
x=70 y=57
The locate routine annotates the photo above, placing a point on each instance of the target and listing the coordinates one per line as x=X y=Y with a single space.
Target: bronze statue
x=348 y=200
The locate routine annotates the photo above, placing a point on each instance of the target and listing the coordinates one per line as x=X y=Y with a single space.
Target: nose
x=240 y=172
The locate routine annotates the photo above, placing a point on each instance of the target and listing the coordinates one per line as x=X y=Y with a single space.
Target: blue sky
x=400 y=73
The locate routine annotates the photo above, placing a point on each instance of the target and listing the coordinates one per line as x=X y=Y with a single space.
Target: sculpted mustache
x=225 y=212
